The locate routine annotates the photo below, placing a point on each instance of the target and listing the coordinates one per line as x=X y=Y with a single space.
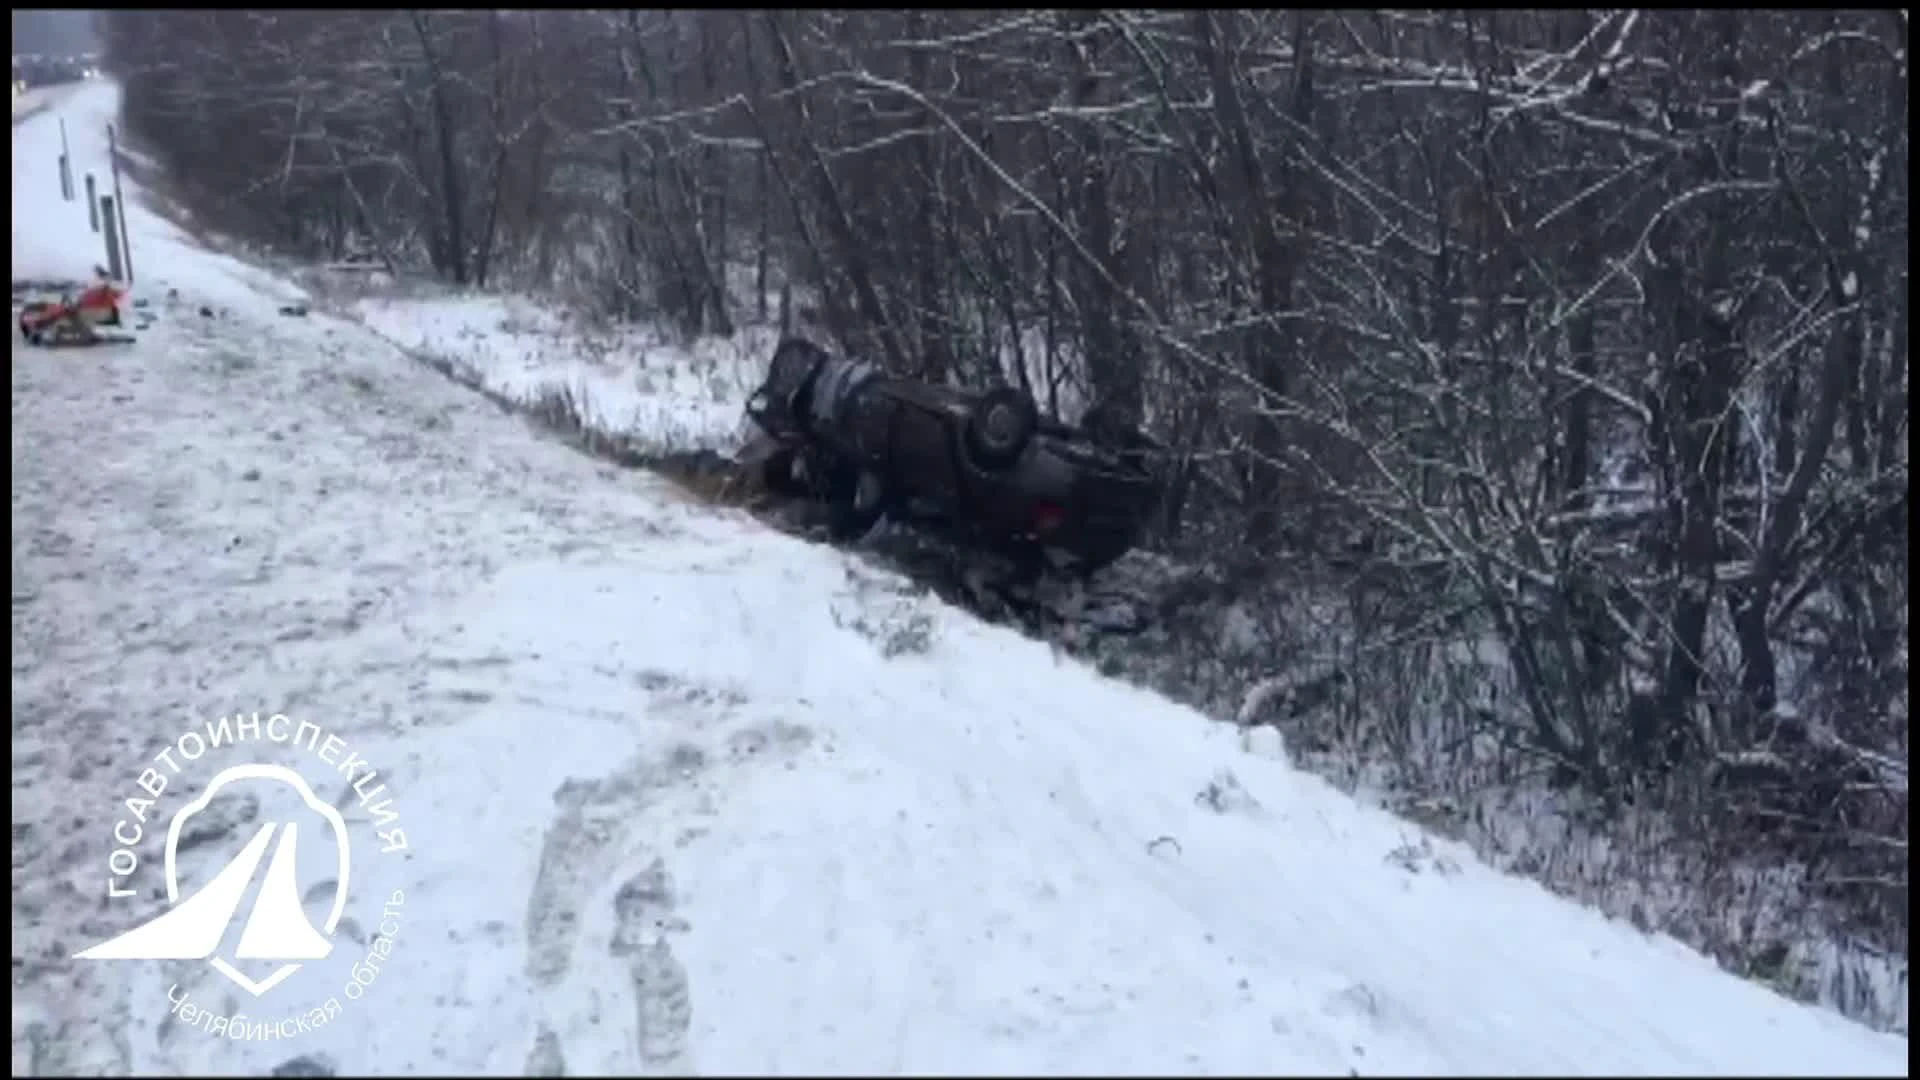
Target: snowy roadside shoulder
x=30 y=103
x=627 y=391
x=627 y=382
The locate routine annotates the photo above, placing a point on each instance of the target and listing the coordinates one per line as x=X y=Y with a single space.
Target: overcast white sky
x=55 y=32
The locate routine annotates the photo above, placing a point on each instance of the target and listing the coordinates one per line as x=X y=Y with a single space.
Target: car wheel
x=855 y=501
x=777 y=475
x=790 y=377
x=1000 y=426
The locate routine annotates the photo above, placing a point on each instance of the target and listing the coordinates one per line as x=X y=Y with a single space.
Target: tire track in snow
x=601 y=826
x=234 y=509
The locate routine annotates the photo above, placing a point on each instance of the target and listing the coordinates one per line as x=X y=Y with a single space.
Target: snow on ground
x=682 y=795
x=27 y=104
x=635 y=382
x=31 y=102
x=626 y=381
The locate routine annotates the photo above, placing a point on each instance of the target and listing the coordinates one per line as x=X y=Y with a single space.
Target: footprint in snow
x=644 y=916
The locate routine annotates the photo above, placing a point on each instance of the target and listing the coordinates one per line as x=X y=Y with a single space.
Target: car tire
x=792 y=371
x=856 y=499
x=1000 y=426
x=776 y=475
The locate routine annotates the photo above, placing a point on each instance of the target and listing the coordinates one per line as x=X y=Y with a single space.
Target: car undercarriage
x=983 y=468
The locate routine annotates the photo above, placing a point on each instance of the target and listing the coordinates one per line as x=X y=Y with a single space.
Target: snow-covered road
x=681 y=795
x=40 y=98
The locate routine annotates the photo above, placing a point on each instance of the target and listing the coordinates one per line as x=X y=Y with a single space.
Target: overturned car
x=982 y=467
